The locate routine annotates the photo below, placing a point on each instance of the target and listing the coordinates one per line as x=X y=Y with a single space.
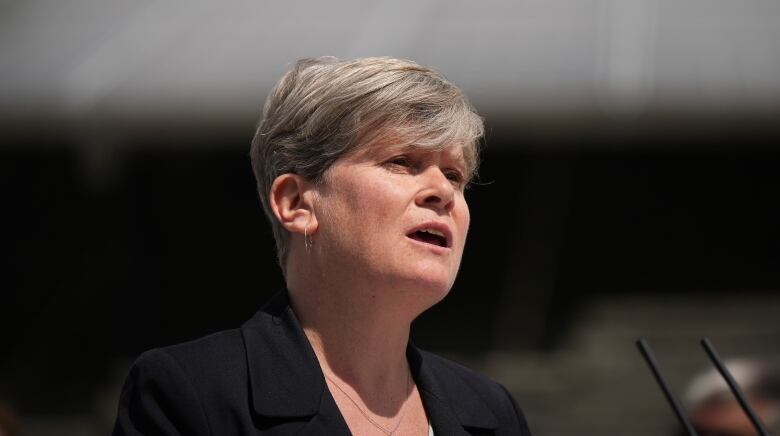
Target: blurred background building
x=630 y=187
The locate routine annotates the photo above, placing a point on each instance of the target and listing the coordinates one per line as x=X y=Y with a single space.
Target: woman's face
x=395 y=216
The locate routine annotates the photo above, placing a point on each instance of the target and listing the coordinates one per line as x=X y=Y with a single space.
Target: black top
x=264 y=379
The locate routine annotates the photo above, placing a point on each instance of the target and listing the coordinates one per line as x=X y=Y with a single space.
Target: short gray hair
x=325 y=108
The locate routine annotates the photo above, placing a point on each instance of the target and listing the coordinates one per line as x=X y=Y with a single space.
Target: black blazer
x=264 y=379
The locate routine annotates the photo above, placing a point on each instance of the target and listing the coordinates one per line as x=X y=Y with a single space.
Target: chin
x=437 y=275
x=429 y=287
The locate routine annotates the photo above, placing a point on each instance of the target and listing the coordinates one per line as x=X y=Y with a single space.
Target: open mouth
x=432 y=237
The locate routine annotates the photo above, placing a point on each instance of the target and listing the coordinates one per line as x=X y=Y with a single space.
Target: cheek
x=378 y=201
x=355 y=208
x=464 y=219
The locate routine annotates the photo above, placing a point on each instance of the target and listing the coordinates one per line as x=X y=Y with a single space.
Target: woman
x=361 y=167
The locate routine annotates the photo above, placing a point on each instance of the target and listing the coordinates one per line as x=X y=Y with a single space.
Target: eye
x=401 y=161
x=455 y=176
x=398 y=162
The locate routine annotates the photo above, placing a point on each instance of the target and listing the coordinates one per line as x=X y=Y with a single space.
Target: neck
x=358 y=343
x=357 y=324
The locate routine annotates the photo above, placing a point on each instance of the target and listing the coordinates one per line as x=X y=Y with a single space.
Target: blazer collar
x=450 y=402
x=286 y=379
x=285 y=376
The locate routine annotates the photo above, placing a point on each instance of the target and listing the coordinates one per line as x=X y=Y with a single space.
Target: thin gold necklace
x=366 y=415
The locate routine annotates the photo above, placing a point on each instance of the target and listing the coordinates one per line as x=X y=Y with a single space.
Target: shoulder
x=177 y=389
x=455 y=376
x=206 y=354
x=208 y=364
x=471 y=393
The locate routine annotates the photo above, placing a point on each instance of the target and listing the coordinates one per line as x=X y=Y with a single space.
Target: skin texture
x=371 y=202
x=362 y=280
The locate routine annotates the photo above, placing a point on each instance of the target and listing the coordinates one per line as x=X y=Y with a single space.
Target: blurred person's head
x=326 y=109
x=714 y=410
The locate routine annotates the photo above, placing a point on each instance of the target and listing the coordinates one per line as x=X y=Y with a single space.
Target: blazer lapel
x=443 y=421
x=452 y=406
x=286 y=381
x=328 y=421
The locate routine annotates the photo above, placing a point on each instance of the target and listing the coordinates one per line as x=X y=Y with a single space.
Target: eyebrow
x=403 y=147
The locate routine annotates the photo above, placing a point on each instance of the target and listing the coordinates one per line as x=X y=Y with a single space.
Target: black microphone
x=759 y=426
x=644 y=348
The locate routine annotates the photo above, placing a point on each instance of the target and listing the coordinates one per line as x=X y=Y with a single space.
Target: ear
x=291 y=200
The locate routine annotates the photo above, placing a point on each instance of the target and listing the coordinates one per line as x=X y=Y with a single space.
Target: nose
x=437 y=190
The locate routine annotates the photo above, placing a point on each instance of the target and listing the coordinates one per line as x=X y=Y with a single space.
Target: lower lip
x=434 y=248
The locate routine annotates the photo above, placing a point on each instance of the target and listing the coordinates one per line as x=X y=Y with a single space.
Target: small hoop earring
x=306 y=238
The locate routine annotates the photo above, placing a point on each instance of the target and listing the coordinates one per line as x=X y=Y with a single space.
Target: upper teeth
x=433 y=232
